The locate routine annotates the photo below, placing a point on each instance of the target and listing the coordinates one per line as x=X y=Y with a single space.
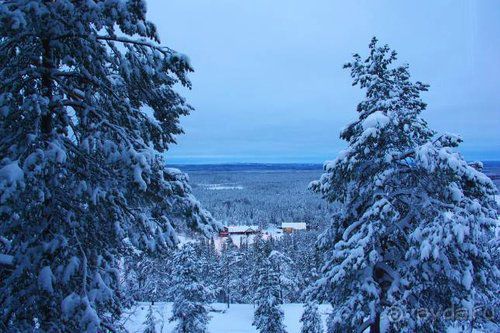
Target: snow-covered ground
x=237 y=319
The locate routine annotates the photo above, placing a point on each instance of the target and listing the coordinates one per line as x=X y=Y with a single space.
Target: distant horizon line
x=279 y=163
x=245 y=162
x=208 y=159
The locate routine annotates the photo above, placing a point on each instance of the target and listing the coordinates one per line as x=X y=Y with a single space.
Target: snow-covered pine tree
x=210 y=267
x=259 y=252
x=230 y=260
x=86 y=106
x=283 y=266
x=244 y=275
x=306 y=259
x=311 y=320
x=268 y=316
x=415 y=222
x=147 y=278
x=190 y=295
x=150 y=323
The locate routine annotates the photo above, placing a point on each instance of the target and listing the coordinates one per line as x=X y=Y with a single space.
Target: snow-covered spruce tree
x=86 y=106
x=283 y=266
x=190 y=295
x=244 y=275
x=230 y=261
x=210 y=267
x=311 y=320
x=147 y=278
x=415 y=220
x=150 y=323
x=268 y=316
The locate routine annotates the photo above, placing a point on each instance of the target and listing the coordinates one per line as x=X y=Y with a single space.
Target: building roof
x=242 y=228
x=294 y=225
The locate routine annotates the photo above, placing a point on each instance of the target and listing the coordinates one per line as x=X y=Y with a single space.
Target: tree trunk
x=46 y=121
x=375 y=326
x=228 y=297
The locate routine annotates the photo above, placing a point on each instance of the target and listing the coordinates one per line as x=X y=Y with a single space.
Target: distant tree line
x=267 y=199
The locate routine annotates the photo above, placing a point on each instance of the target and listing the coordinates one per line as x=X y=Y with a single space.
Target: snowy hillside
x=237 y=319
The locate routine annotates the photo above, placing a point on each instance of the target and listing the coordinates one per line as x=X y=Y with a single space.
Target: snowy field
x=237 y=319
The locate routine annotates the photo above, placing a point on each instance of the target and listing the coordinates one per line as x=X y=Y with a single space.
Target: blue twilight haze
x=269 y=85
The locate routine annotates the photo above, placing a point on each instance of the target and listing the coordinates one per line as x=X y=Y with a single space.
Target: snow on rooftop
x=294 y=225
x=242 y=228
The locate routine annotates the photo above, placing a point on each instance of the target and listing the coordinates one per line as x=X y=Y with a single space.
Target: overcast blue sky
x=269 y=85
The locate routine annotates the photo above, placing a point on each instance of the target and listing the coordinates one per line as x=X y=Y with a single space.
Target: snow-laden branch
x=126 y=40
x=6 y=260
